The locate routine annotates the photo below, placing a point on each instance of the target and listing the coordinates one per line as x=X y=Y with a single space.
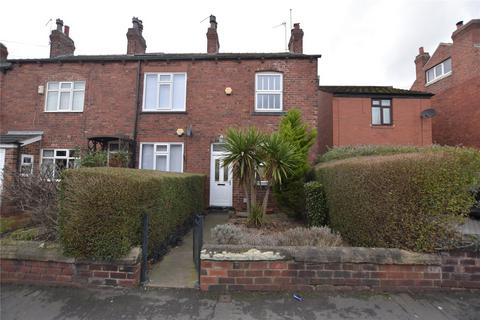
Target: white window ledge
x=438 y=79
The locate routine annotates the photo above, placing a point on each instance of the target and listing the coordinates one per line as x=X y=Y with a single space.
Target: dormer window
x=439 y=71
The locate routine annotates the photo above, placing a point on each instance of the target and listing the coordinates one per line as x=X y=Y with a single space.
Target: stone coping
x=48 y=251
x=318 y=255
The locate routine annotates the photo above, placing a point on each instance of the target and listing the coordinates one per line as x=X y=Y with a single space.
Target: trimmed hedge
x=316 y=204
x=101 y=209
x=408 y=201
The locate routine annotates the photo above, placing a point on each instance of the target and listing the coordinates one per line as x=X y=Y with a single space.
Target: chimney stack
x=136 y=43
x=459 y=24
x=295 y=45
x=420 y=61
x=3 y=52
x=60 y=42
x=213 y=45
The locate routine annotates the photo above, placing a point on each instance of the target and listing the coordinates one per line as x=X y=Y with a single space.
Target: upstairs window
x=65 y=96
x=162 y=156
x=381 y=112
x=439 y=71
x=164 y=92
x=268 y=92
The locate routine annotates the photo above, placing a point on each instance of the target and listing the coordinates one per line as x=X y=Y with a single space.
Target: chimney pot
x=59 y=23
x=421 y=50
x=213 y=45
x=66 y=30
x=136 y=42
x=213 y=21
x=459 y=24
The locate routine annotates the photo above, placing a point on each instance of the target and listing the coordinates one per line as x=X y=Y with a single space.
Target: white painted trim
x=446 y=75
x=155 y=153
x=158 y=109
x=31 y=140
x=8 y=146
x=22 y=157
x=443 y=75
x=24 y=132
x=269 y=91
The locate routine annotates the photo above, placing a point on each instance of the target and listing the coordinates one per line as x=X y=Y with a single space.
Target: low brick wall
x=233 y=268
x=30 y=262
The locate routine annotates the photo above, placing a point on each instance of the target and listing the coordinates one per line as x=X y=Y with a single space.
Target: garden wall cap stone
x=320 y=255
x=43 y=251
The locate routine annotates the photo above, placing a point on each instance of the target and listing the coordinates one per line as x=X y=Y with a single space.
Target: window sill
x=438 y=79
x=63 y=111
x=164 y=112
x=382 y=126
x=268 y=113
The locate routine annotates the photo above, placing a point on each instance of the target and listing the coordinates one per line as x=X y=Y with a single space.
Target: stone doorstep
x=319 y=255
x=39 y=251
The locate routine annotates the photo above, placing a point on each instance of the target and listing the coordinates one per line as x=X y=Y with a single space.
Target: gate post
x=144 y=266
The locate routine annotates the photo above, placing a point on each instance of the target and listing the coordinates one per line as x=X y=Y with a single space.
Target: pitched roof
x=22 y=139
x=373 y=91
x=169 y=57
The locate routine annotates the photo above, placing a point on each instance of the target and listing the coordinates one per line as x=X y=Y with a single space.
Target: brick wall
x=25 y=262
x=382 y=269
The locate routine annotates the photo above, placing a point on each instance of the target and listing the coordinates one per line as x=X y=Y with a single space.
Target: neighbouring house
x=452 y=73
x=355 y=115
x=170 y=112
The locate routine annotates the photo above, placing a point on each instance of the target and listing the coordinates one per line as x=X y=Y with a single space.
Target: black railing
x=197 y=241
x=144 y=268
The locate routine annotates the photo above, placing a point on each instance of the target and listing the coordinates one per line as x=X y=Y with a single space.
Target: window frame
x=22 y=157
x=158 y=109
x=155 y=153
x=438 y=77
x=382 y=123
x=72 y=90
x=55 y=157
x=280 y=91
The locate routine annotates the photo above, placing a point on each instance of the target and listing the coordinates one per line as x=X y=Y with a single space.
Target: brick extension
x=380 y=269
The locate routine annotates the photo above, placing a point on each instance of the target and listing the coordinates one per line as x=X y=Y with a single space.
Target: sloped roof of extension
x=349 y=91
x=169 y=57
x=19 y=138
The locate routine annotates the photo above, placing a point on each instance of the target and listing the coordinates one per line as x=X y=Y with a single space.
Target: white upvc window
x=268 y=92
x=55 y=160
x=439 y=71
x=26 y=165
x=161 y=156
x=164 y=92
x=65 y=96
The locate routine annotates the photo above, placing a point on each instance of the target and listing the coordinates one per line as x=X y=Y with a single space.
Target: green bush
x=316 y=204
x=101 y=208
x=338 y=153
x=408 y=201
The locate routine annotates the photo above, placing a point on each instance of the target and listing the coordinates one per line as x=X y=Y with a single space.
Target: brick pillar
x=420 y=61
x=295 y=45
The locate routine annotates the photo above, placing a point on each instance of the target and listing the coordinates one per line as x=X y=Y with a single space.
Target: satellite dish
x=428 y=113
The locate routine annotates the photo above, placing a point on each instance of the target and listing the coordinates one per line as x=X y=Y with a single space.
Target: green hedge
x=101 y=208
x=408 y=201
x=316 y=204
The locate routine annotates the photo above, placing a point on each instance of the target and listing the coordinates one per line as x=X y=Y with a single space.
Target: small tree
x=290 y=194
x=244 y=155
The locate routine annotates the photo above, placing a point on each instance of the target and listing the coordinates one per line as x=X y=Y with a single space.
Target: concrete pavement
x=38 y=303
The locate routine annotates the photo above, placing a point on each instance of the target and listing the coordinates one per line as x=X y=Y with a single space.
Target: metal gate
x=197 y=241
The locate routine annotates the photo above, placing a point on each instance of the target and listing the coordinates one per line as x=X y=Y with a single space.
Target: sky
x=362 y=42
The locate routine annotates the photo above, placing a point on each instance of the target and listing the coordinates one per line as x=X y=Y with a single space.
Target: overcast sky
x=362 y=42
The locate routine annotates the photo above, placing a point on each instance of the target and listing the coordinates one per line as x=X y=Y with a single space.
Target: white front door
x=221 y=184
x=2 y=165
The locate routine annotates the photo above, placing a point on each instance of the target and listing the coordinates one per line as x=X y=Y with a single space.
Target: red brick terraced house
x=452 y=73
x=169 y=111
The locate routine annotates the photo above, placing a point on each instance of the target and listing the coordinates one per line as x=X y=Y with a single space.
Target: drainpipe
x=137 y=113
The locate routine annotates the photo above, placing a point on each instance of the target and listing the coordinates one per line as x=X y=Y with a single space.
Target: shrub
x=101 y=208
x=409 y=201
x=36 y=194
x=290 y=194
x=96 y=158
x=316 y=236
x=338 y=153
x=316 y=204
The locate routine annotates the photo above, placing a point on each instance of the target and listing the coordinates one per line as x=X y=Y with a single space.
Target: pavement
x=38 y=303
x=176 y=269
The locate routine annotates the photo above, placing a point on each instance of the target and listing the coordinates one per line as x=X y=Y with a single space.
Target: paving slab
x=38 y=303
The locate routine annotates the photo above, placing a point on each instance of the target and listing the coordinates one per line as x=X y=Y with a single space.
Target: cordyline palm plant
x=244 y=155
x=248 y=150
